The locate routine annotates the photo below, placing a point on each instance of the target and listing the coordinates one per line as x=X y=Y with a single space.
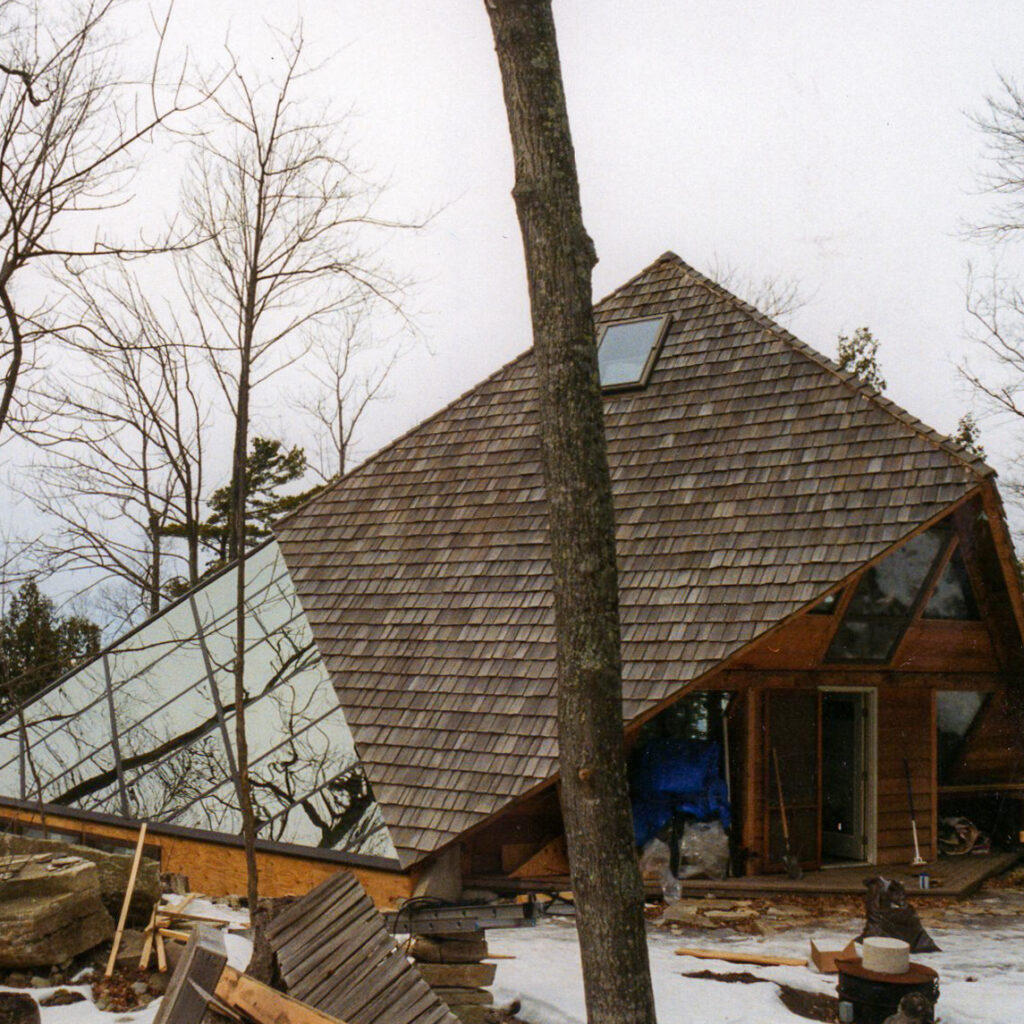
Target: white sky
x=827 y=142
x=823 y=142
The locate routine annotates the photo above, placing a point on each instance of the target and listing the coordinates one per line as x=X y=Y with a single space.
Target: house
x=808 y=575
x=786 y=537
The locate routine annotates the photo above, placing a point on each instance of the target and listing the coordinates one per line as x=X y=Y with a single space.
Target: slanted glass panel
x=890 y=588
x=953 y=597
x=956 y=713
x=172 y=689
x=627 y=351
x=865 y=641
x=885 y=598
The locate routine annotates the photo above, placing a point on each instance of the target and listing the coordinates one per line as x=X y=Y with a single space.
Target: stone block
x=449 y=951
x=470 y=1013
x=41 y=931
x=16 y=1008
x=113 y=868
x=463 y=996
x=458 y=975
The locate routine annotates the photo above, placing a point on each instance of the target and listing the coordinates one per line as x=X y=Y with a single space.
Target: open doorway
x=845 y=776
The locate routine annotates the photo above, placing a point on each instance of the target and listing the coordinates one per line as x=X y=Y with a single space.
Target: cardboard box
x=824 y=957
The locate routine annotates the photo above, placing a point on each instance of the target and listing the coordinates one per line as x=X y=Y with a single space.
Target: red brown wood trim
x=925 y=593
x=751 y=774
x=935 y=774
x=1004 y=549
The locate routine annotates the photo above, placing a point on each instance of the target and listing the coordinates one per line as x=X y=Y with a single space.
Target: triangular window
x=627 y=351
x=953 y=597
x=884 y=601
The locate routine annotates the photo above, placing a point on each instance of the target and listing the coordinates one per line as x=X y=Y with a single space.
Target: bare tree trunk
x=16 y=357
x=238 y=518
x=559 y=260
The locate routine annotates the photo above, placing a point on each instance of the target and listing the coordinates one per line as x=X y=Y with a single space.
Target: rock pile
x=113 y=868
x=451 y=965
x=51 y=909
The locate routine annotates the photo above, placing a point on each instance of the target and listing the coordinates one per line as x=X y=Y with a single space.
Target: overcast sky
x=824 y=142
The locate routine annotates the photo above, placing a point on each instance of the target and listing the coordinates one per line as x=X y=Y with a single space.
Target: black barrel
x=877 y=996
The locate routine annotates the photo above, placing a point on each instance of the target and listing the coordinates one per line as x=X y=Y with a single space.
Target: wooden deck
x=950 y=876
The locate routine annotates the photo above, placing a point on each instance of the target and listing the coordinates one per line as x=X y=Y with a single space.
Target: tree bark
x=559 y=259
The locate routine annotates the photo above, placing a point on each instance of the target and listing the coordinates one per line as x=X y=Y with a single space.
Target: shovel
x=793 y=868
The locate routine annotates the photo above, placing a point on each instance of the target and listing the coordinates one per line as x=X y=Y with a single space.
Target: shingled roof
x=750 y=477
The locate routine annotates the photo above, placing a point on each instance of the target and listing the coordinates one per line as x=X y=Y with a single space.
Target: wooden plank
x=147 y=946
x=201 y=965
x=550 y=859
x=743 y=958
x=133 y=874
x=264 y=1004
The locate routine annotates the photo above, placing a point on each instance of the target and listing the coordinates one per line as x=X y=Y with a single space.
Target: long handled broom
x=792 y=864
x=918 y=859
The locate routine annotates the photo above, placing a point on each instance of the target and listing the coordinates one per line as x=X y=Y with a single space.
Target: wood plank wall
x=215 y=869
x=905 y=730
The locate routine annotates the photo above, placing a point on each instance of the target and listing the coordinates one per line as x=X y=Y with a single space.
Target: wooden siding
x=750 y=476
x=219 y=870
x=905 y=731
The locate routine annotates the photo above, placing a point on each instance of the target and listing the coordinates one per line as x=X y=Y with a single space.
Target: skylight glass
x=627 y=351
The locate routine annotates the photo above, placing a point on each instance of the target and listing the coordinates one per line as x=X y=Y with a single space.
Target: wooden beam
x=743 y=958
x=194 y=979
x=264 y=1004
x=1004 y=549
x=127 y=902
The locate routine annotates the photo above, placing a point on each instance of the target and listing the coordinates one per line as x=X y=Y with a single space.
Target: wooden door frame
x=870 y=763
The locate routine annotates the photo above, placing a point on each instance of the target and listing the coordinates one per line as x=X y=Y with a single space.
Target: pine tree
x=38 y=645
x=858 y=354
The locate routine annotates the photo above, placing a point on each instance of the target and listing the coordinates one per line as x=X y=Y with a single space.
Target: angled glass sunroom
x=146 y=729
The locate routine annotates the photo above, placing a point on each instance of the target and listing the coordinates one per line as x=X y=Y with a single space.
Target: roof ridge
x=973 y=463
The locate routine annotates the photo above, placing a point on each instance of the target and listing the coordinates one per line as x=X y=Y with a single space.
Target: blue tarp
x=670 y=776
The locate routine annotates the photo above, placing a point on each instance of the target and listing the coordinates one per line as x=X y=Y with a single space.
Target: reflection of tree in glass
x=179 y=780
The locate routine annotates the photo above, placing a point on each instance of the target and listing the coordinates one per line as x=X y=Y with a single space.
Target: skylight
x=627 y=351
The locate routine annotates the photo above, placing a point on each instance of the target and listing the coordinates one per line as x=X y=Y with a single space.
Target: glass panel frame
x=627 y=351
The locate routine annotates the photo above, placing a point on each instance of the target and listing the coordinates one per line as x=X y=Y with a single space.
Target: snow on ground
x=239 y=950
x=981 y=969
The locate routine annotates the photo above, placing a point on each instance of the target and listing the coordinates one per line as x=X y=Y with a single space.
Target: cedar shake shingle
x=750 y=476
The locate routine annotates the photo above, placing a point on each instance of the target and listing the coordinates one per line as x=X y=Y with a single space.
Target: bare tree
x=70 y=126
x=122 y=435
x=1001 y=124
x=777 y=297
x=559 y=259
x=274 y=193
x=340 y=384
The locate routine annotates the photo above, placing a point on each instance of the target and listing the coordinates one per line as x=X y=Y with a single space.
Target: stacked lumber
x=452 y=966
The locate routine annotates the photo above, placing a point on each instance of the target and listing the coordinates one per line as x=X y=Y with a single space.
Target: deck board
x=951 y=877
